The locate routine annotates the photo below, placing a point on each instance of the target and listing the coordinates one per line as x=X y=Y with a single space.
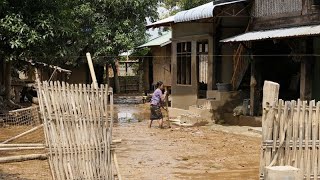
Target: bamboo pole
x=21 y=145
x=93 y=74
x=21 y=148
x=23 y=158
x=117 y=165
x=23 y=134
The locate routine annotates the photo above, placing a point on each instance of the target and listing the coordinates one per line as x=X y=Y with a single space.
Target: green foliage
x=63 y=30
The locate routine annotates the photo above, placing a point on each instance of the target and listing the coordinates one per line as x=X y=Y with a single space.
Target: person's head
x=159 y=85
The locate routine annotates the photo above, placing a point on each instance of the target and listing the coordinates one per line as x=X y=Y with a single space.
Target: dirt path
x=177 y=153
x=185 y=153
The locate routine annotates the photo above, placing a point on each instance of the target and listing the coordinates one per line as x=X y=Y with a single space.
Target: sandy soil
x=176 y=153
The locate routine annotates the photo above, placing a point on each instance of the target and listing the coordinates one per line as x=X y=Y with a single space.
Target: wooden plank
x=275 y=132
x=296 y=134
x=308 y=122
x=301 y=136
x=284 y=120
x=288 y=136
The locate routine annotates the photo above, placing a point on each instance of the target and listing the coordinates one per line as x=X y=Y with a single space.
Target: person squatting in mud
x=156 y=103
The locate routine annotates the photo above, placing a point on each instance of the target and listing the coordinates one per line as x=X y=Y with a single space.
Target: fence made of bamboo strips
x=291 y=136
x=78 y=130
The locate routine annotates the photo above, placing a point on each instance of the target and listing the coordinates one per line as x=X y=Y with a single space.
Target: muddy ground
x=176 y=153
x=185 y=153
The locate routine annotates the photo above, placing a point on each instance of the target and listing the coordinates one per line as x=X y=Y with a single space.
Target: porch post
x=173 y=72
x=305 y=80
x=211 y=73
x=306 y=71
x=194 y=73
x=146 y=73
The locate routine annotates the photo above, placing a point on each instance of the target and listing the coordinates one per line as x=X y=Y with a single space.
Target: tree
x=116 y=26
x=63 y=31
x=26 y=27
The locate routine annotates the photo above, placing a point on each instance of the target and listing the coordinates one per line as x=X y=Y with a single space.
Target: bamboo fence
x=291 y=136
x=78 y=130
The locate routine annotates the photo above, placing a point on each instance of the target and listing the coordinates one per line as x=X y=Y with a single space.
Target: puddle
x=126 y=117
x=131 y=113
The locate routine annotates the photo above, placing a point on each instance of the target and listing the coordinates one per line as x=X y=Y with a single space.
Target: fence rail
x=78 y=130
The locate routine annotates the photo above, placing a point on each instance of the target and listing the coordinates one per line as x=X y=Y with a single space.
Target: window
x=202 y=61
x=184 y=63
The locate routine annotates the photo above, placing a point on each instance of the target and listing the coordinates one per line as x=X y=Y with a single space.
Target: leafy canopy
x=47 y=30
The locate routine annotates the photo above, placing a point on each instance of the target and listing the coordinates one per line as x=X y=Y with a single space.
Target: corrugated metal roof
x=276 y=34
x=201 y=12
x=159 y=41
x=162 y=22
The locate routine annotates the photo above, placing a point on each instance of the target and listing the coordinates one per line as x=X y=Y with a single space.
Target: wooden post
x=93 y=74
x=211 y=72
x=253 y=84
x=270 y=93
x=140 y=75
x=305 y=80
x=146 y=74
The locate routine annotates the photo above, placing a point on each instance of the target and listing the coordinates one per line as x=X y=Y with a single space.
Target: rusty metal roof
x=276 y=34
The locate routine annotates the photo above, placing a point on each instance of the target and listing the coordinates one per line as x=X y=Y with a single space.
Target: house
x=282 y=44
x=200 y=64
x=157 y=64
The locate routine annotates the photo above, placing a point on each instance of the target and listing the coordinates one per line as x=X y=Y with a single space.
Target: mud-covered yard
x=185 y=153
x=176 y=153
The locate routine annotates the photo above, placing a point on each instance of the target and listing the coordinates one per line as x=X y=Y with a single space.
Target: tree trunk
x=1 y=71
x=7 y=80
x=107 y=80
x=116 y=78
x=140 y=75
